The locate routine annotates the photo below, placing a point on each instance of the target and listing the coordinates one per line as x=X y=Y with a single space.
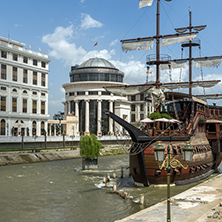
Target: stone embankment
x=20 y=157
x=202 y=203
x=7 y=158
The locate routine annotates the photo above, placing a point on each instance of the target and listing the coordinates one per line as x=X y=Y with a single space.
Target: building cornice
x=25 y=52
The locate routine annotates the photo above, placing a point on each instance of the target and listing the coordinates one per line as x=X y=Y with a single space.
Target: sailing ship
x=196 y=122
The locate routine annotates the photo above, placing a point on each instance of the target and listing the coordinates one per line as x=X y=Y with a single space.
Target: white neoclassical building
x=23 y=89
x=87 y=99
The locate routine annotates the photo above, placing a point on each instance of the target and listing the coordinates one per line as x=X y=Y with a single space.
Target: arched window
x=14 y=90
x=2 y=127
x=42 y=128
x=24 y=91
x=34 y=128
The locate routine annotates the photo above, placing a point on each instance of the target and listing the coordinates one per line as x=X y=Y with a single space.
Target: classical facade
x=87 y=99
x=23 y=90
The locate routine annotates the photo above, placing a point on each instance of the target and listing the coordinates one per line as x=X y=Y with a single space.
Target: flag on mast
x=144 y=3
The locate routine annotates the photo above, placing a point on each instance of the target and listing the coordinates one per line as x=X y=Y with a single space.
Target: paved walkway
x=202 y=203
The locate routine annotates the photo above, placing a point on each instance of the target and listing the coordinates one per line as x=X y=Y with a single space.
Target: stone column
x=87 y=118
x=68 y=107
x=99 y=120
x=110 y=119
x=50 y=129
x=77 y=116
x=54 y=129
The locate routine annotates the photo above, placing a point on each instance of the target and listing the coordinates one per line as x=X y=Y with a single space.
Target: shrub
x=89 y=146
x=156 y=115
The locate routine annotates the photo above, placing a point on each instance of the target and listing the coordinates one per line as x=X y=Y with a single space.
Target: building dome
x=96 y=69
x=97 y=62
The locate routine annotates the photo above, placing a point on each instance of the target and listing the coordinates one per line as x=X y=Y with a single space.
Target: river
x=60 y=191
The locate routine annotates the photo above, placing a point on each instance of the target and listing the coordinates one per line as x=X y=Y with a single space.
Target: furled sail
x=207 y=62
x=174 y=64
x=137 y=45
x=171 y=40
x=178 y=85
x=144 y=3
x=129 y=90
x=157 y=97
x=213 y=96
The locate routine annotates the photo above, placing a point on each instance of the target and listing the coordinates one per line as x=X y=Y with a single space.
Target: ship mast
x=185 y=35
x=158 y=45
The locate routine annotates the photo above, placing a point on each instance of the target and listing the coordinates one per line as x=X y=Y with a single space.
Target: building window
x=34 y=128
x=142 y=97
x=3 y=71
x=43 y=64
x=14 y=90
x=4 y=54
x=93 y=93
x=24 y=106
x=3 y=88
x=42 y=94
x=3 y=103
x=141 y=107
x=3 y=127
x=34 y=106
x=80 y=93
x=15 y=57
x=42 y=128
x=25 y=92
x=25 y=59
x=42 y=107
x=43 y=79
x=133 y=98
x=141 y=116
x=133 y=117
x=72 y=94
x=14 y=104
x=105 y=93
x=25 y=76
x=34 y=93
x=35 y=62
x=133 y=107
x=14 y=74
x=34 y=78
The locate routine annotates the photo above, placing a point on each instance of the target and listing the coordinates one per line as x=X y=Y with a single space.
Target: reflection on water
x=61 y=191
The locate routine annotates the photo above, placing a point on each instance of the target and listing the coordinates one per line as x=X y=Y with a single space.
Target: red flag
x=95 y=44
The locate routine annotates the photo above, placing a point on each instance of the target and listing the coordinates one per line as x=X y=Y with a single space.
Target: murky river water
x=59 y=191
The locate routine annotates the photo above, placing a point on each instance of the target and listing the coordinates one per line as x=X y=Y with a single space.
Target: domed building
x=87 y=99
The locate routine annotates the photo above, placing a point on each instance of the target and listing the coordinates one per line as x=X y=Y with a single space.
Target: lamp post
x=170 y=162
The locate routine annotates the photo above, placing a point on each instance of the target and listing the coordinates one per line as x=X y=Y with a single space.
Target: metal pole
x=168 y=170
x=190 y=57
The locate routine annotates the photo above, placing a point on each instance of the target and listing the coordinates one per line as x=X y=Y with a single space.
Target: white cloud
x=114 y=42
x=61 y=48
x=82 y=1
x=88 y=22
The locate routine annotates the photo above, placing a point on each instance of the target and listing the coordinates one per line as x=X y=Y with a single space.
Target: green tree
x=156 y=115
x=90 y=146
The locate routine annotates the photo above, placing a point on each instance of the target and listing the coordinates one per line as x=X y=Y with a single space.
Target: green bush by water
x=90 y=146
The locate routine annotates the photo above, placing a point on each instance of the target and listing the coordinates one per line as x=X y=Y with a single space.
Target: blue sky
x=69 y=29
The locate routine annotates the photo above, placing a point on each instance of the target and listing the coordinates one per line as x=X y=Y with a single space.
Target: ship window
x=157 y=172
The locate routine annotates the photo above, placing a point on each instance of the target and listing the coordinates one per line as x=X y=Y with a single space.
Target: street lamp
x=170 y=162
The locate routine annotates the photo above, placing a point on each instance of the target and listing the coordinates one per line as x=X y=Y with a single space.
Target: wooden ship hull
x=144 y=169
x=200 y=124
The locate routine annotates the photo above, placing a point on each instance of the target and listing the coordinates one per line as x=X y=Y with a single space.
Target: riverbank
x=202 y=203
x=37 y=155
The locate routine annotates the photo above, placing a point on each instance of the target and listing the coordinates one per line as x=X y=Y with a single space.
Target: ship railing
x=213 y=135
x=168 y=133
x=193 y=123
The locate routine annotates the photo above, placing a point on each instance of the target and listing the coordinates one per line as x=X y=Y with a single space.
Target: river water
x=60 y=191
